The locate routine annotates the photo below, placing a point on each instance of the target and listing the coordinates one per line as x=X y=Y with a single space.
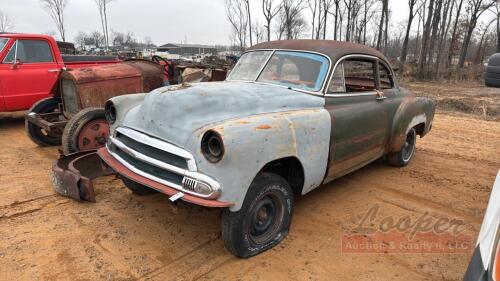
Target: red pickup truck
x=30 y=65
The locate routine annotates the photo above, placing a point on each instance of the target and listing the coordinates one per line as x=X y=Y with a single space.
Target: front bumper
x=126 y=172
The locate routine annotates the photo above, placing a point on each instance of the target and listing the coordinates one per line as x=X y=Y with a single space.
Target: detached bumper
x=125 y=172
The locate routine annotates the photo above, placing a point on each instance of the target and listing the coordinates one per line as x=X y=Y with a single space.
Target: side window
x=385 y=77
x=337 y=85
x=359 y=76
x=30 y=51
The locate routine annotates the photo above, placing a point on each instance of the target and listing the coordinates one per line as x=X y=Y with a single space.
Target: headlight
x=212 y=146
x=110 y=112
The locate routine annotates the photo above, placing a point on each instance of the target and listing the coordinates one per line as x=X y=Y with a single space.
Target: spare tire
x=86 y=130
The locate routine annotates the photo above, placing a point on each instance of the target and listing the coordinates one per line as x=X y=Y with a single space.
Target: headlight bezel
x=212 y=146
x=110 y=112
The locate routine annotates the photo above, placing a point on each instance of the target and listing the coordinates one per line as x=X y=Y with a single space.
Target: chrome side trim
x=197 y=176
x=165 y=146
x=340 y=95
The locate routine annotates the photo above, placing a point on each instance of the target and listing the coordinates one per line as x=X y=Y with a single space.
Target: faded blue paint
x=174 y=113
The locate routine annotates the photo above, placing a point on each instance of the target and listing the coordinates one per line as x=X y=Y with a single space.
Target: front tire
x=37 y=134
x=403 y=157
x=86 y=130
x=263 y=220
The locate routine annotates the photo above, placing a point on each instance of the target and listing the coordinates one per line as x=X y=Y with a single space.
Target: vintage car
x=485 y=261
x=291 y=116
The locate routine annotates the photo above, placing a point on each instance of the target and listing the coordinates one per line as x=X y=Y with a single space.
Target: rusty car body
x=291 y=116
x=74 y=115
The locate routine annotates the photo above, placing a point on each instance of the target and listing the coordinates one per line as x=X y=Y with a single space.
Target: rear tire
x=404 y=156
x=137 y=188
x=37 y=134
x=86 y=130
x=263 y=220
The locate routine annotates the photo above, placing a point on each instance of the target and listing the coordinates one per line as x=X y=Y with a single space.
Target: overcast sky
x=165 y=21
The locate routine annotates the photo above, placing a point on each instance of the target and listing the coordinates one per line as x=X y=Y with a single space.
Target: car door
x=29 y=73
x=4 y=44
x=359 y=115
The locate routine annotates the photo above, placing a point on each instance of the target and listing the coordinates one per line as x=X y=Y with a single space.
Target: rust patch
x=263 y=127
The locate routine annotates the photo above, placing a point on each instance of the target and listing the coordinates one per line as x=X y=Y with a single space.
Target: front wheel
x=263 y=220
x=87 y=130
x=403 y=157
x=37 y=134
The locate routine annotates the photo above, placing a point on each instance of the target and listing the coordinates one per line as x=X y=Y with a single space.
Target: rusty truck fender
x=412 y=112
x=252 y=142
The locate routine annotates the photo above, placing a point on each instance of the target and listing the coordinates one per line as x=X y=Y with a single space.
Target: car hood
x=173 y=113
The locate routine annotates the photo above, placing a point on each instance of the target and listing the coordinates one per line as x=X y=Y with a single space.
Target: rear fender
x=413 y=111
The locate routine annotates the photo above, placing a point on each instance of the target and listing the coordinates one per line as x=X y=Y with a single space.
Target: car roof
x=333 y=49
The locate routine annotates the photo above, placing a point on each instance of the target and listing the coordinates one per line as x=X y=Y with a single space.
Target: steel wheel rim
x=93 y=135
x=266 y=219
x=409 y=146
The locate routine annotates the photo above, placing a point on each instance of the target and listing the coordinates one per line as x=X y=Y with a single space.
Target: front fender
x=252 y=142
x=411 y=112
x=124 y=104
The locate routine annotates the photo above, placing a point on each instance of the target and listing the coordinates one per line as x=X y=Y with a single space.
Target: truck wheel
x=37 y=134
x=137 y=188
x=403 y=157
x=87 y=130
x=263 y=220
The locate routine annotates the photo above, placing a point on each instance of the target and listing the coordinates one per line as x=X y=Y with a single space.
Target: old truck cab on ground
x=30 y=65
x=291 y=116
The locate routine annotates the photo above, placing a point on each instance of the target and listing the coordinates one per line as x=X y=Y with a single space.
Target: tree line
x=438 y=37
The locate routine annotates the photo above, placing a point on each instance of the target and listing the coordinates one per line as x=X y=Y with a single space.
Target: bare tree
x=385 y=4
x=313 y=6
x=425 y=40
x=102 y=5
x=5 y=22
x=97 y=38
x=454 y=34
x=291 y=18
x=270 y=11
x=411 y=16
x=55 y=8
x=249 y=17
x=476 y=8
x=496 y=12
x=237 y=16
x=81 y=40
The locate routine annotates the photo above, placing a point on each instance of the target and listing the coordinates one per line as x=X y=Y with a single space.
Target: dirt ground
x=126 y=237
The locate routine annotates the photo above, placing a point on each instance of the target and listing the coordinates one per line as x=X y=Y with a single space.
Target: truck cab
x=30 y=66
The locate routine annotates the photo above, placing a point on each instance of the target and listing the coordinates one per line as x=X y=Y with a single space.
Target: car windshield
x=3 y=42
x=297 y=70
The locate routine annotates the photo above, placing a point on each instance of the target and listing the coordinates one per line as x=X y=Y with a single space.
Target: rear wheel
x=137 y=188
x=87 y=130
x=403 y=157
x=37 y=134
x=263 y=220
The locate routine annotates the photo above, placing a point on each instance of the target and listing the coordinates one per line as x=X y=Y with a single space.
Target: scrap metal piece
x=73 y=174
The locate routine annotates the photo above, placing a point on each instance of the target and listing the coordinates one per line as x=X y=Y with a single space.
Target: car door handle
x=381 y=98
x=53 y=70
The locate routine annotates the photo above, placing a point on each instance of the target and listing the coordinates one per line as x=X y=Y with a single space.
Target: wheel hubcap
x=93 y=135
